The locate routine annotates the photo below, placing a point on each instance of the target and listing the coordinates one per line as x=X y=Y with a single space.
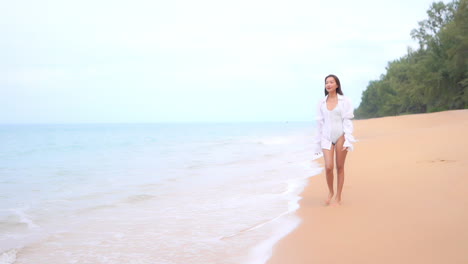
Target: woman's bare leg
x=328 y=157
x=340 y=161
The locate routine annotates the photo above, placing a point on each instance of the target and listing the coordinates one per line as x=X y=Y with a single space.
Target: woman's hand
x=345 y=148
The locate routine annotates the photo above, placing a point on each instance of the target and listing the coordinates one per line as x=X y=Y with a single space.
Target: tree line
x=433 y=77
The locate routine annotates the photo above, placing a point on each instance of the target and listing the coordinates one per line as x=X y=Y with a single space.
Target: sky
x=94 y=61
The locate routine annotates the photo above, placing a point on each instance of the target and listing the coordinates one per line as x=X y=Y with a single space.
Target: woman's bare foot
x=330 y=196
x=338 y=200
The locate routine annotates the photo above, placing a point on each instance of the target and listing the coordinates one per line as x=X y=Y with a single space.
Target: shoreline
x=404 y=197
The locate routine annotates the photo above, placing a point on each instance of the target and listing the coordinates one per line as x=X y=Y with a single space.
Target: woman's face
x=330 y=84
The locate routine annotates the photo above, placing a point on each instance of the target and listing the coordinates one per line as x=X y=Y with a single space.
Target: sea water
x=150 y=193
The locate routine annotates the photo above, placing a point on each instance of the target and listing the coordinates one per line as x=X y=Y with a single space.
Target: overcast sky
x=176 y=61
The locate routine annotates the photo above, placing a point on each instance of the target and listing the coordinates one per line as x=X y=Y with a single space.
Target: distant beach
x=404 y=200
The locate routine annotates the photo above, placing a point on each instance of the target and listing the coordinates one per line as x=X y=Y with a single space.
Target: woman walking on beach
x=334 y=133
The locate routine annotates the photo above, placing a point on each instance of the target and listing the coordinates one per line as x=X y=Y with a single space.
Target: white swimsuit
x=336 y=124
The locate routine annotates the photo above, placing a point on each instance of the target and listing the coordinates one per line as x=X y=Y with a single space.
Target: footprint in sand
x=437 y=161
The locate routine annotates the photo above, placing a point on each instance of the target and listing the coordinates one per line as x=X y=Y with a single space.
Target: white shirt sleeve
x=348 y=114
x=319 y=119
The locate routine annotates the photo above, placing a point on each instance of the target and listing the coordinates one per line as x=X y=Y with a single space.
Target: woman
x=334 y=133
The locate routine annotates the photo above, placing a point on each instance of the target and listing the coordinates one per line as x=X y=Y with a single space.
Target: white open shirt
x=322 y=137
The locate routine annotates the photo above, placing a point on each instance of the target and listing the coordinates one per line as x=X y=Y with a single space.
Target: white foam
x=287 y=221
x=25 y=218
x=263 y=251
x=9 y=256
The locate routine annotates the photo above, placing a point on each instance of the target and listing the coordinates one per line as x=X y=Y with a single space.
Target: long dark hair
x=338 y=89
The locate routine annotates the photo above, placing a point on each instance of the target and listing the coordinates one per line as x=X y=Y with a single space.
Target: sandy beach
x=405 y=197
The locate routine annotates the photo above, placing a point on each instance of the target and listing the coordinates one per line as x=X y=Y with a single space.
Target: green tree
x=431 y=78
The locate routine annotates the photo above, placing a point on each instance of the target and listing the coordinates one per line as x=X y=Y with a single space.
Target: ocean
x=170 y=193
